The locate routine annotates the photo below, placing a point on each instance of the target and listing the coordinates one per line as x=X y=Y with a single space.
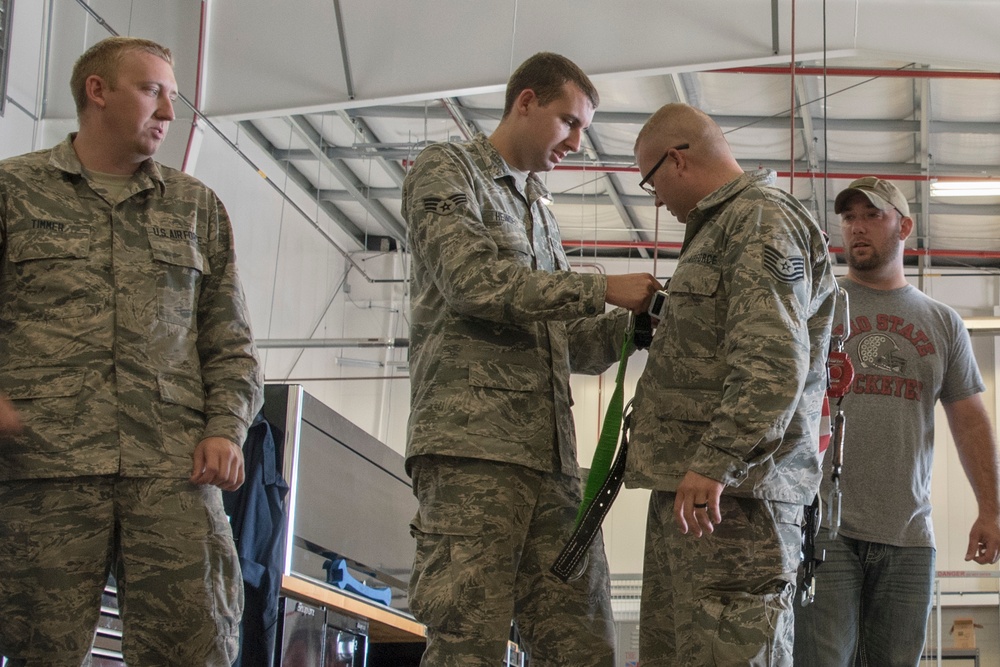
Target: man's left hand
x=219 y=462
x=984 y=541
x=696 y=506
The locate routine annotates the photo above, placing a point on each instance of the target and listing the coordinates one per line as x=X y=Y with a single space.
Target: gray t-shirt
x=908 y=351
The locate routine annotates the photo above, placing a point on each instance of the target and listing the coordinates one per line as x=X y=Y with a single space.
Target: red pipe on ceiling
x=861 y=71
x=598 y=169
x=570 y=245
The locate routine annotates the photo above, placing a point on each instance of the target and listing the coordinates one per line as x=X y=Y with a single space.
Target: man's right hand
x=10 y=422
x=631 y=290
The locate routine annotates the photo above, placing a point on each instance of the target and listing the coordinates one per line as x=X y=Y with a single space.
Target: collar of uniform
x=706 y=208
x=490 y=159
x=493 y=163
x=64 y=158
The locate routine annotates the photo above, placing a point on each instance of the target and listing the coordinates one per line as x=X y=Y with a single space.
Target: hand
x=219 y=462
x=984 y=541
x=698 y=489
x=10 y=421
x=631 y=290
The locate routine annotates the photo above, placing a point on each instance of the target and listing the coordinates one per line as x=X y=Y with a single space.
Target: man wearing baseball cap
x=873 y=592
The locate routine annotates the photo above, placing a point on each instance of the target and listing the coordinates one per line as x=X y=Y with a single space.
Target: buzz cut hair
x=546 y=73
x=104 y=60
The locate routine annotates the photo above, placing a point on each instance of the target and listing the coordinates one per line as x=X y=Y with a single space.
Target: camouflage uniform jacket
x=736 y=372
x=498 y=321
x=124 y=335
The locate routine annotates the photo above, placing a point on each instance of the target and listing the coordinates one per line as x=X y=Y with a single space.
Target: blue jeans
x=871 y=608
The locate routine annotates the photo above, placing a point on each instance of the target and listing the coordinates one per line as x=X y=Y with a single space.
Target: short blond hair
x=104 y=58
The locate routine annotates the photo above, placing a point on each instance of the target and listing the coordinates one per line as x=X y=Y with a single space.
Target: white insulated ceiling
x=344 y=93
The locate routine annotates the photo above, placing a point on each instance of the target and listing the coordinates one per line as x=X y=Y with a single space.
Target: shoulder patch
x=786 y=269
x=444 y=205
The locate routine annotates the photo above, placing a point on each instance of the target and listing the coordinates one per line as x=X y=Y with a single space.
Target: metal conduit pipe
x=300 y=343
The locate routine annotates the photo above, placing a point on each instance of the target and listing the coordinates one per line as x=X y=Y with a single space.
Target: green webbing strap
x=608 y=440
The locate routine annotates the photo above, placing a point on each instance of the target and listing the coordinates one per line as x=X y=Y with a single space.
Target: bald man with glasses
x=727 y=411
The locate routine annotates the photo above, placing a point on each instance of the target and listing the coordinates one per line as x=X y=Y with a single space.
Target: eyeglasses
x=644 y=183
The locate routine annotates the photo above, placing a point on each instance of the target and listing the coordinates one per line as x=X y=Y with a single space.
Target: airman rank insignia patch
x=444 y=205
x=782 y=268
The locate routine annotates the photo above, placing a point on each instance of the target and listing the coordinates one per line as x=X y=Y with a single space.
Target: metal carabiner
x=833 y=498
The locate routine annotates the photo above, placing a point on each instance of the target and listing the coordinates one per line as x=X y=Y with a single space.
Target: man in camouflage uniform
x=131 y=374
x=498 y=321
x=727 y=410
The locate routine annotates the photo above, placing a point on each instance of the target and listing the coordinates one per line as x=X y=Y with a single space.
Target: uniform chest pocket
x=508 y=233
x=47 y=276
x=179 y=266
x=696 y=307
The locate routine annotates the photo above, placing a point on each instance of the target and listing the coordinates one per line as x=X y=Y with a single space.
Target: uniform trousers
x=487 y=534
x=724 y=599
x=169 y=545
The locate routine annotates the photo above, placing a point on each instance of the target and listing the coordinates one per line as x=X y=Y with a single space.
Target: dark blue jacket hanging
x=257 y=515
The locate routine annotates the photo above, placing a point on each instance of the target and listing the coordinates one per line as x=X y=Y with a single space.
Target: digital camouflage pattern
x=487 y=534
x=744 y=620
x=497 y=323
x=736 y=373
x=497 y=320
x=733 y=390
x=54 y=540
x=124 y=341
x=124 y=333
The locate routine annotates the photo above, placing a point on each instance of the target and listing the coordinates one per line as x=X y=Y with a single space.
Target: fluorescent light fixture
x=989 y=188
x=982 y=324
x=359 y=363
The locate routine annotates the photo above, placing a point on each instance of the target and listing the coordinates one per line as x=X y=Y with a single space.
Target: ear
x=524 y=100
x=679 y=158
x=96 y=88
x=905 y=227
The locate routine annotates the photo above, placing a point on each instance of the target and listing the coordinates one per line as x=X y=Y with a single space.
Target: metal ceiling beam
x=344 y=195
x=390 y=167
x=305 y=184
x=306 y=132
x=807 y=131
x=344 y=52
x=680 y=83
x=778 y=122
x=457 y=113
x=614 y=193
x=626 y=163
x=643 y=200
x=922 y=155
